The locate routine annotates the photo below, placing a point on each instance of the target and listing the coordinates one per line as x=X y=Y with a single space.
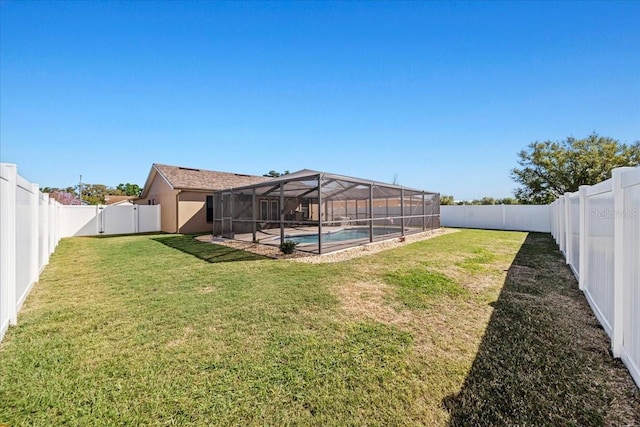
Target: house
x=110 y=199
x=186 y=195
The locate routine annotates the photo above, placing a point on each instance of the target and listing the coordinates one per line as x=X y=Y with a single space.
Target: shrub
x=287 y=247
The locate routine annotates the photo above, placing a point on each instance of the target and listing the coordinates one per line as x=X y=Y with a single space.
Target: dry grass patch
x=370 y=300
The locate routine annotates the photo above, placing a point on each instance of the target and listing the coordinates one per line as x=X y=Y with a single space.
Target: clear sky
x=441 y=95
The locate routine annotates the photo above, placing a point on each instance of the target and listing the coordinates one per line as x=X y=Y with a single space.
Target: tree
x=70 y=190
x=129 y=189
x=94 y=193
x=507 y=201
x=446 y=200
x=275 y=174
x=487 y=201
x=64 y=197
x=550 y=169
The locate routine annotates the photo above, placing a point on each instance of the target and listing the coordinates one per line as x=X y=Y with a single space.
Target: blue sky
x=440 y=94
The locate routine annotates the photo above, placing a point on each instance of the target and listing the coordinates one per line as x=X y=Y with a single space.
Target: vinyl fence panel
x=8 y=186
x=26 y=238
x=598 y=255
x=630 y=351
x=80 y=221
x=148 y=218
x=498 y=217
x=572 y=206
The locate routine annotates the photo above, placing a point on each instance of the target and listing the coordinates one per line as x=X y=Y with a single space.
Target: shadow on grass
x=109 y=236
x=206 y=251
x=544 y=359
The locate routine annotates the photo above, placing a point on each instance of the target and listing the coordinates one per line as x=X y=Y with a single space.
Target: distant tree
x=94 y=194
x=550 y=169
x=446 y=200
x=129 y=189
x=70 y=190
x=275 y=174
x=487 y=201
x=64 y=198
x=507 y=201
x=483 y=201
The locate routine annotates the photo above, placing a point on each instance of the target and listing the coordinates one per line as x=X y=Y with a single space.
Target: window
x=209 y=208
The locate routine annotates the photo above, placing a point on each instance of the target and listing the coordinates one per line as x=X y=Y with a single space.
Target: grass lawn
x=469 y=328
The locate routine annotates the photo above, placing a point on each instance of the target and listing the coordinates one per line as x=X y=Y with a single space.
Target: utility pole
x=80 y=190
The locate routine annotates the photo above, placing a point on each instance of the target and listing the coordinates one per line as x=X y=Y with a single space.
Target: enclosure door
x=269 y=210
x=227 y=216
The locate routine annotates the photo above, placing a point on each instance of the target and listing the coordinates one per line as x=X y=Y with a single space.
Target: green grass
x=470 y=328
x=417 y=288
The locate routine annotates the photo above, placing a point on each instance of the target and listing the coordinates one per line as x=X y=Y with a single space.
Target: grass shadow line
x=206 y=251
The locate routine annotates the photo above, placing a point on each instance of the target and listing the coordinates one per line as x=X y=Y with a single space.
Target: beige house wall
x=161 y=193
x=192 y=212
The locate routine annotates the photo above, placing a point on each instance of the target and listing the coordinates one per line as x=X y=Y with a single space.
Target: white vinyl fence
x=31 y=225
x=103 y=220
x=598 y=230
x=29 y=233
x=498 y=217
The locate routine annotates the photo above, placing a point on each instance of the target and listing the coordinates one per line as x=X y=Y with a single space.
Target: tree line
x=92 y=194
x=449 y=200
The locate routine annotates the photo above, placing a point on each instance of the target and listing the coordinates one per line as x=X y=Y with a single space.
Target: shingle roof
x=202 y=179
x=111 y=199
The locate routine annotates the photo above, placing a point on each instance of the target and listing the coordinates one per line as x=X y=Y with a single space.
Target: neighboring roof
x=183 y=178
x=112 y=200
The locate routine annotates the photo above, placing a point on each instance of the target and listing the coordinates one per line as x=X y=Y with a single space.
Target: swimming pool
x=341 y=235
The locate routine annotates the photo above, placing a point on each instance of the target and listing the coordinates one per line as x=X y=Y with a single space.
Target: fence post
x=583 y=269
x=9 y=173
x=136 y=218
x=35 y=224
x=618 y=262
x=99 y=220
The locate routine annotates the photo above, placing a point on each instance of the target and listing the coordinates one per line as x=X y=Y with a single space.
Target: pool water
x=341 y=235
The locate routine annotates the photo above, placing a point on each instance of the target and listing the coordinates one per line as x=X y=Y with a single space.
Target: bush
x=287 y=247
